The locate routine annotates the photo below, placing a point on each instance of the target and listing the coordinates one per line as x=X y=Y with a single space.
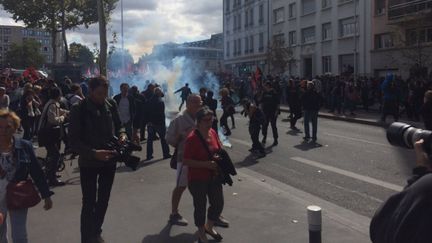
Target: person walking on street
x=212 y=105
x=311 y=101
x=126 y=108
x=202 y=177
x=177 y=132
x=185 y=92
x=227 y=105
x=157 y=124
x=270 y=106
x=94 y=123
x=293 y=96
x=17 y=162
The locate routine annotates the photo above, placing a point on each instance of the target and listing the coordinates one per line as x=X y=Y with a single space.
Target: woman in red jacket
x=203 y=171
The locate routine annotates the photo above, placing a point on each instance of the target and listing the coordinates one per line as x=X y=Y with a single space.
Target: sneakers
x=177 y=219
x=167 y=156
x=56 y=183
x=275 y=143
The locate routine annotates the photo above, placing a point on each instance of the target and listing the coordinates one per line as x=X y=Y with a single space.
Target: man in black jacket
x=126 y=107
x=311 y=101
x=407 y=215
x=93 y=123
x=270 y=107
x=156 y=124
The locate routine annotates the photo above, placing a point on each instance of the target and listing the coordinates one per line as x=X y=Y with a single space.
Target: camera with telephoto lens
x=404 y=135
x=124 y=152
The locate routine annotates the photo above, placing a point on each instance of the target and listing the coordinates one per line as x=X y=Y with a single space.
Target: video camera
x=404 y=135
x=124 y=152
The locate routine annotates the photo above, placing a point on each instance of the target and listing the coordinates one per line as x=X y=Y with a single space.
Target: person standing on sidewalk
x=293 y=96
x=311 y=101
x=202 y=177
x=94 y=122
x=177 y=133
x=270 y=106
x=156 y=124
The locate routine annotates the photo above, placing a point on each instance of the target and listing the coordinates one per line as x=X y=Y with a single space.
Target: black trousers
x=224 y=122
x=256 y=144
x=200 y=190
x=271 y=119
x=96 y=184
x=53 y=157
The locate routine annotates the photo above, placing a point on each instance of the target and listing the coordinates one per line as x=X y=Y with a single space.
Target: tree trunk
x=54 y=46
x=103 y=38
x=64 y=32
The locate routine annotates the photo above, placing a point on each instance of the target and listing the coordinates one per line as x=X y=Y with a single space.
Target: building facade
x=246 y=34
x=18 y=34
x=204 y=54
x=325 y=36
x=402 y=37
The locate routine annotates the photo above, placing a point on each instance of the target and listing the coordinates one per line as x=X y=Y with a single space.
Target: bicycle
x=61 y=163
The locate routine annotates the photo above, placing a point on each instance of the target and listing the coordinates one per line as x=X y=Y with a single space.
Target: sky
x=150 y=22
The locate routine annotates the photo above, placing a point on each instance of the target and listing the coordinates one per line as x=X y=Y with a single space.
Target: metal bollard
x=315 y=222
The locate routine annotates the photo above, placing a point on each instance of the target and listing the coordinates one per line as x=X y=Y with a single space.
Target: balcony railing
x=409 y=8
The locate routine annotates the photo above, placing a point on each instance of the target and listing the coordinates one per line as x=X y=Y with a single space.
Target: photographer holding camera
x=93 y=124
x=406 y=216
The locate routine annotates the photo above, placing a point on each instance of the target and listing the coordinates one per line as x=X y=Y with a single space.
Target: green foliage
x=25 y=55
x=81 y=54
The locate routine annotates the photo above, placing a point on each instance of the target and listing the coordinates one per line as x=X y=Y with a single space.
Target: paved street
x=350 y=172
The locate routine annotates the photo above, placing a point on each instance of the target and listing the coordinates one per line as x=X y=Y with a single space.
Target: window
x=261 y=14
x=292 y=38
x=261 y=42
x=344 y=1
x=235 y=48
x=45 y=49
x=418 y=36
x=251 y=17
x=246 y=18
x=383 y=41
x=292 y=10
x=326 y=62
x=228 y=49
x=251 y=44
x=239 y=46
x=326 y=31
x=6 y=39
x=308 y=6
x=7 y=31
x=326 y=4
x=239 y=21
x=278 y=15
x=235 y=23
x=246 y=41
x=380 y=6
x=308 y=35
x=279 y=39
x=227 y=3
x=348 y=27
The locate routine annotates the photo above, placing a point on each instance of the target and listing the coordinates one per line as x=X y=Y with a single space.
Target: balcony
x=409 y=11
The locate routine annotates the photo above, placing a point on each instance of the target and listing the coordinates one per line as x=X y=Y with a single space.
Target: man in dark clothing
x=185 y=92
x=270 y=107
x=156 y=124
x=426 y=110
x=293 y=96
x=212 y=105
x=126 y=108
x=311 y=101
x=256 y=121
x=407 y=215
x=93 y=123
x=144 y=110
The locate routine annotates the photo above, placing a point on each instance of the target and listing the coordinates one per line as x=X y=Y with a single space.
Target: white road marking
x=358 y=140
x=241 y=142
x=353 y=175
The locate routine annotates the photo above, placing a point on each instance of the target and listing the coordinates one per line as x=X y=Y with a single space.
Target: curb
x=348 y=119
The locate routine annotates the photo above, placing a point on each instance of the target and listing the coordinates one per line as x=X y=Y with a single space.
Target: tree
x=81 y=54
x=279 y=56
x=25 y=55
x=103 y=45
x=56 y=16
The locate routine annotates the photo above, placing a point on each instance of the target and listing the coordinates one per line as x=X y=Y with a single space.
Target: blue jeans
x=160 y=130
x=311 y=116
x=18 y=221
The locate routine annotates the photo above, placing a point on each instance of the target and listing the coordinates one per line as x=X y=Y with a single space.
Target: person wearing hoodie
x=390 y=98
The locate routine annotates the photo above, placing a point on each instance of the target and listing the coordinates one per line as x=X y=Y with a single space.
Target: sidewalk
x=362 y=117
x=260 y=210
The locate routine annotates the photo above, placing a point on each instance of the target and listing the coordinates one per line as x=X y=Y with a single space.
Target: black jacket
x=132 y=104
x=269 y=102
x=311 y=101
x=226 y=167
x=156 y=115
x=406 y=216
x=91 y=128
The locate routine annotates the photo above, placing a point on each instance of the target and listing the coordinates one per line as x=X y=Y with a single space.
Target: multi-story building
x=402 y=36
x=17 y=34
x=205 y=54
x=324 y=36
x=246 y=35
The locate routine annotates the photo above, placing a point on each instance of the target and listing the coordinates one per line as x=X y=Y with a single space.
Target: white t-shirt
x=124 y=110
